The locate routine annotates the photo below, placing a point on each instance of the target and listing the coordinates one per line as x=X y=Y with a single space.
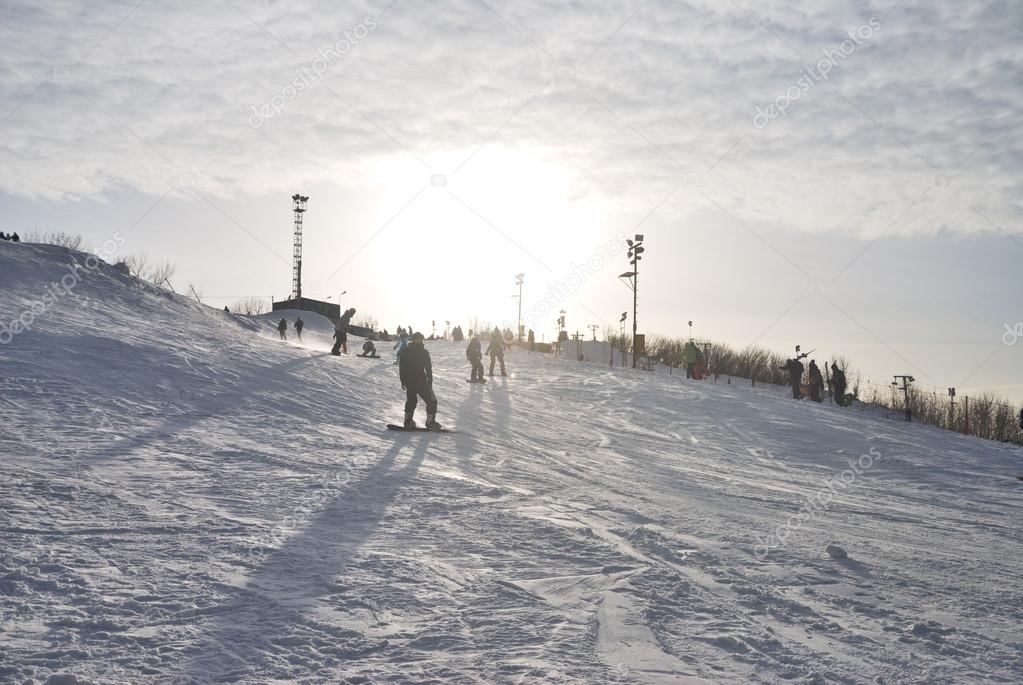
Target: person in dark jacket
x=795 y=370
x=531 y=339
x=282 y=328
x=495 y=350
x=341 y=333
x=299 y=325
x=14 y=238
x=838 y=384
x=369 y=349
x=416 y=374
x=475 y=356
x=816 y=382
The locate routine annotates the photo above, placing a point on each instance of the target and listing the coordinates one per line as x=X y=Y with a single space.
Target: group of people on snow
x=13 y=237
x=282 y=327
x=836 y=381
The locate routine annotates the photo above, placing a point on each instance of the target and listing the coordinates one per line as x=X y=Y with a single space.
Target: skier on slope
x=690 y=355
x=496 y=351
x=401 y=344
x=475 y=357
x=416 y=374
x=795 y=371
x=282 y=328
x=299 y=325
x=816 y=382
x=838 y=384
x=341 y=333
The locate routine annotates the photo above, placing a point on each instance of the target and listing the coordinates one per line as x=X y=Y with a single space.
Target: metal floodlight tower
x=635 y=250
x=296 y=268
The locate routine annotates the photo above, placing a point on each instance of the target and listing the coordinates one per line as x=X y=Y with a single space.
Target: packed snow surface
x=184 y=498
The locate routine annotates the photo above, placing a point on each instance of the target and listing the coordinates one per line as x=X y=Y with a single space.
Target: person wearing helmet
x=416 y=374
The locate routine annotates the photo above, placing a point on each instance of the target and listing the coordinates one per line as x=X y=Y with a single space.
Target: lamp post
x=519 y=278
x=635 y=250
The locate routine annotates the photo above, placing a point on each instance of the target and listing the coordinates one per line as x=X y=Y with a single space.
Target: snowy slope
x=186 y=499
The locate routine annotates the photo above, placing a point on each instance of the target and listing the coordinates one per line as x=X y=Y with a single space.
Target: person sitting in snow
x=416 y=374
x=369 y=349
x=282 y=328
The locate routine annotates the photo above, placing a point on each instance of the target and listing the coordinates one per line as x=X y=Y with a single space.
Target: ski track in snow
x=187 y=499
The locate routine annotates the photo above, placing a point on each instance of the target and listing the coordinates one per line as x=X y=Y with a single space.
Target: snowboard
x=417 y=429
x=369 y=356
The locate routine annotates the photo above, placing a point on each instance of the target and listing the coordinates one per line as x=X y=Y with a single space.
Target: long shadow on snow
x=267 y=380
x=252 y=632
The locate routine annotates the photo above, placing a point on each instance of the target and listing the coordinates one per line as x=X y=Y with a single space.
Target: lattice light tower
x=296 y=269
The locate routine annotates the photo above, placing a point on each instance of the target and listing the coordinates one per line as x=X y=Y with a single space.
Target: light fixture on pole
x=635 y=251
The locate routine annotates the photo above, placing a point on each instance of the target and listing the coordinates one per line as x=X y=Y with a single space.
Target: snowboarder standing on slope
x=416 y=373
x=299 y=325
x=531 y=339
x=496 y=351
x=838 y=384
x=475 y=357
x=341 y=333
x=795 y=369
x=816 y=382
x=282 y=328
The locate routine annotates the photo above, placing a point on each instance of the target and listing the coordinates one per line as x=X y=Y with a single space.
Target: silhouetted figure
x=282 y=328
x=457 y=335
x=475 y=356
x=369 y=349
x=3 y=236
x=341 y=333
x=299 y=325
x=416 y=374
x=795 y=370
x=14 y=238
x=690 y=355
x=496 y=351
x=816 y=382
x=838 y=384
x=226 y=310
x=531 y=339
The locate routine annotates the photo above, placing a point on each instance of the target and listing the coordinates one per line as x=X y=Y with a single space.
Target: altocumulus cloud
x=631 y=99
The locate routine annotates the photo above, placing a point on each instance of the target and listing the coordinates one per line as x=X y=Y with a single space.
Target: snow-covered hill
x=186 y=499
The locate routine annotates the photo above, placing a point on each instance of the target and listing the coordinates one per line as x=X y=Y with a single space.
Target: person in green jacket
x=690 y=355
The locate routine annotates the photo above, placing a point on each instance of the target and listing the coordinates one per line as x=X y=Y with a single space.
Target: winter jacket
x=690 y=353
x=415 y=367
x=795 y=369
x=496 y=346
x=472 y=352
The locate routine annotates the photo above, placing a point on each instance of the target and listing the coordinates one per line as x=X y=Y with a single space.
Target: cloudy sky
x=845 y=176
